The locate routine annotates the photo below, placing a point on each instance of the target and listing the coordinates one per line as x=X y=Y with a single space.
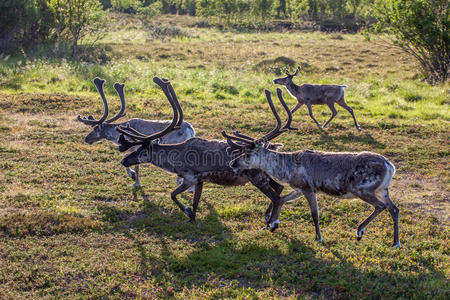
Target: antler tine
x=227 y=136
x=90 y=120
x=131 y=132
x=276 y=130
x=119 y=89
x=238 y=134
x=287 y=125
x=295 y=74
x=99 y=85
x=163 y=85
x=177 y=104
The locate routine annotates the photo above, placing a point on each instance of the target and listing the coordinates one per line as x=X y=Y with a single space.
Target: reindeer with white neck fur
x=365 y=175
x=104 y=129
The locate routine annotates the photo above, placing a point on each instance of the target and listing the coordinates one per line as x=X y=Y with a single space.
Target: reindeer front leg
x=312 y=200
x=274 y=219
x=312 y=116
x=180 y=189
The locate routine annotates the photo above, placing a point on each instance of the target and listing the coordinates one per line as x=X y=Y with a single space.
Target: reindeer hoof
x=267 y=219
x=132 y=175
x=274 y=225
x=190 y=214
x=397 y=245
x=360 y=233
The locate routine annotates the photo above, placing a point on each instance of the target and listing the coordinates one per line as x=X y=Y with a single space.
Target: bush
x=420 y=28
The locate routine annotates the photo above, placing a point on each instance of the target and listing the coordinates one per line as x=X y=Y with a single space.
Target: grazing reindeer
x=312 y=94
x=196 y=160
x=365 y=175
x=103 y=129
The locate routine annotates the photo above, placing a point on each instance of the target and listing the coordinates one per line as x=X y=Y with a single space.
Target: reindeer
x=196 y=160
x=103 y=129
x=312 y=94
x=365 y=175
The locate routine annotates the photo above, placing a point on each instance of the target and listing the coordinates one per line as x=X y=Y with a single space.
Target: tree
x=420 y=28
x=82 y=15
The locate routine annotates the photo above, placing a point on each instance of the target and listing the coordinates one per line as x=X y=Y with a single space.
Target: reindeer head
x=245 y=150
x=288 y=79
x=144 y=142
x=102 y=128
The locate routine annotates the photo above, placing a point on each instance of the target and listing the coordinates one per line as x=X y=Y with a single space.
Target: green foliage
x=126 y=6
x=421 y=29
x=151 y=10
x=24 y=22
x=82 y=17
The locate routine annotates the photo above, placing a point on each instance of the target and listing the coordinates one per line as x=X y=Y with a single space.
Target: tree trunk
x=75 y=48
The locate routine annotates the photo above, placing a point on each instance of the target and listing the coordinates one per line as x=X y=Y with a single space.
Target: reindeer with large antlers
x=365 y=175
x=196 y=160
x=103 y=129
x=313 y=94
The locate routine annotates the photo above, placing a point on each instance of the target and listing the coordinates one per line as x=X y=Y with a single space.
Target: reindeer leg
x=311 y=115
x=180 y=189
x=138 y=178
x=333 y=114
x=197 y=195
x=278 y=188
x=394 y=211
x=379 y=206
x=274 y=220
x=180 y=181
x=131 y=173
x=296 y=107
x=342 y=103
x=312 y=200
x=268 y=187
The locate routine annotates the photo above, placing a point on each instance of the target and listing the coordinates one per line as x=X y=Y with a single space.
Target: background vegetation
x=71 y=224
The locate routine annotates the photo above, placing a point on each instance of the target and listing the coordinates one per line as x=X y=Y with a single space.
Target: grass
x=72 y=226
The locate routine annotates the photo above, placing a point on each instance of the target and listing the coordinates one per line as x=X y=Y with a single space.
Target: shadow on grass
x=348 y=139
x=215 y=258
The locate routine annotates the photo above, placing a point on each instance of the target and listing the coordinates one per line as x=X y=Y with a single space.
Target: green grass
x=72 y=226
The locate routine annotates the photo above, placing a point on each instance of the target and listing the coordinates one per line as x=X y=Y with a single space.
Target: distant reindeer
x=365 y=175
x=312 y=94
x=103 y=129
x=196 y=160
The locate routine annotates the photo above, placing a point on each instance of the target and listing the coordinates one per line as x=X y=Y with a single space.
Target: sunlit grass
x=72 y=225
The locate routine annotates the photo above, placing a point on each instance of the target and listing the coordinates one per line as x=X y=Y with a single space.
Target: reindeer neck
x=111 y=134
x=292 y=89
x=276 y=164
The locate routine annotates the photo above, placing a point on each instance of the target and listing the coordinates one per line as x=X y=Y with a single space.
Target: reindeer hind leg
x=180 y=189
x=342 y=103
x=333 y=114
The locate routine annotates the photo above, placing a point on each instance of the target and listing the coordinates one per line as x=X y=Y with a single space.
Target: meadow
x=72 y=226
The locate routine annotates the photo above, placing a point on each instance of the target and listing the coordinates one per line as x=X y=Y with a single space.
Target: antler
x=128 y=131
x=90 y=119
x=177 y=103
x=292 y=75
x=119 y=89
x=287 y=125
x=237 y=133
x=276 y=130
x=243 y=140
